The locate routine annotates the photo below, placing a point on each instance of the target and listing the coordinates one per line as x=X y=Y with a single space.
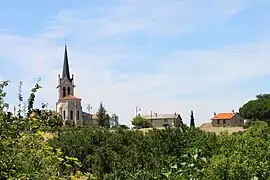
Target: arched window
x=78 y=115
x=71 y=114
x=64 y=114
x=64 y=91
x=68 y=91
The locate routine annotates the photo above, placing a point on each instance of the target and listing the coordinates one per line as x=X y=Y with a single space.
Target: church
x=68 y=105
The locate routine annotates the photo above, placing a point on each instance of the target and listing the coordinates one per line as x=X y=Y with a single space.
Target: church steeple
x=65 y=71
x=66 y=82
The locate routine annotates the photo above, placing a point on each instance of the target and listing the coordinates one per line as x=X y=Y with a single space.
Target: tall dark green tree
x=102 y=115
x=192 y=120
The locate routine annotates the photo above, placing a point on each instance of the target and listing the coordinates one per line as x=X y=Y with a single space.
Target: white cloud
x=179 y=73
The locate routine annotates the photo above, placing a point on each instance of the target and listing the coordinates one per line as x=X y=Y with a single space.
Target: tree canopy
x=258 y=109
x=141 y=122
x=103 y=116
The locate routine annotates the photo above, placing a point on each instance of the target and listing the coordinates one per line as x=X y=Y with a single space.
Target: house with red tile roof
x=227 y=119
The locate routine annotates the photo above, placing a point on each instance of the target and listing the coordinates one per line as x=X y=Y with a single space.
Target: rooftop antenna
x=65 y=41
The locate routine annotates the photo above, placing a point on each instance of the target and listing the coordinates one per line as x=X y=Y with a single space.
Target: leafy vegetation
x=141 y=122
x=257 y=110
x=24 y=154
x=120 y=153
x=103 y=116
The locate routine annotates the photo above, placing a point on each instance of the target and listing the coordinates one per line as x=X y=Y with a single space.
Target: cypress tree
x=192 y=121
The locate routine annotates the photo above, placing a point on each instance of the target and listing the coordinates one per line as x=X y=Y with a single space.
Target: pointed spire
x=65 y=72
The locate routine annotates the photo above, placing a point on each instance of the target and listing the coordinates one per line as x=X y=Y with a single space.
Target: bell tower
x=68 y=106
x=65 y=83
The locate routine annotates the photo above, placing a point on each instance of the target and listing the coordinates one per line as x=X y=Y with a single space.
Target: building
x=68 y=105
x=164 y=120
x=227 y=119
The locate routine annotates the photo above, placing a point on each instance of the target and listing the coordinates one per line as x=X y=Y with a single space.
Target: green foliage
x=31 y=98
x=24 y=154
x=2 y=95
x=20 y=97
x=141 y=122
x=188 y=166
x=124 y=126
x=103 y=116
x=126 y=154
x=258 y=109
x=114 y=120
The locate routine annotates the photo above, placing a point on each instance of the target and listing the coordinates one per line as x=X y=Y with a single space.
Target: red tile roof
x=223 y=116
x=70 y=97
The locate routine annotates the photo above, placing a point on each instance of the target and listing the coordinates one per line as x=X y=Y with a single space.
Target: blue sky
x=168 y=56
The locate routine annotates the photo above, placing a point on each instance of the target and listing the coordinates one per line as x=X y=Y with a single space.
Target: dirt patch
x=209 y=128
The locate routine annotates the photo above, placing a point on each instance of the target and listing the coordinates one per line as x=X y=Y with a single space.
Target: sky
x=166 y=56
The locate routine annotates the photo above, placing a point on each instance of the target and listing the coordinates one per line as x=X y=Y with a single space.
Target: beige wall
x=160 y=122
x=88 y=120
x=68 y=106
x=237 y=120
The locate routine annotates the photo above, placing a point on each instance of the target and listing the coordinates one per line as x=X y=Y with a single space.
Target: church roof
x=70 y=97
x=65 y=71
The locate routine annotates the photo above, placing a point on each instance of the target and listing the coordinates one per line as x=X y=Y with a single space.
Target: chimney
x=215 y=113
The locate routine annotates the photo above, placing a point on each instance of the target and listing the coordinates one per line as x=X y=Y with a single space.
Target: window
x=64 y=114
x=218 y=122
x=224 y=121
x=165 y=120
x=78 y=115
x=71 y=114
x=68 y=91
x=64 y=91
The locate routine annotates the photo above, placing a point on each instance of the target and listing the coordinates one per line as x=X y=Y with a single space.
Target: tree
x=107 y=121
x=102 y=115
x=2 y=94
x=20 y=99
x=31 y=98
x=192 y=121
x=263 y=96
x=258 y=109
x=114 y=121
x=141 y=122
